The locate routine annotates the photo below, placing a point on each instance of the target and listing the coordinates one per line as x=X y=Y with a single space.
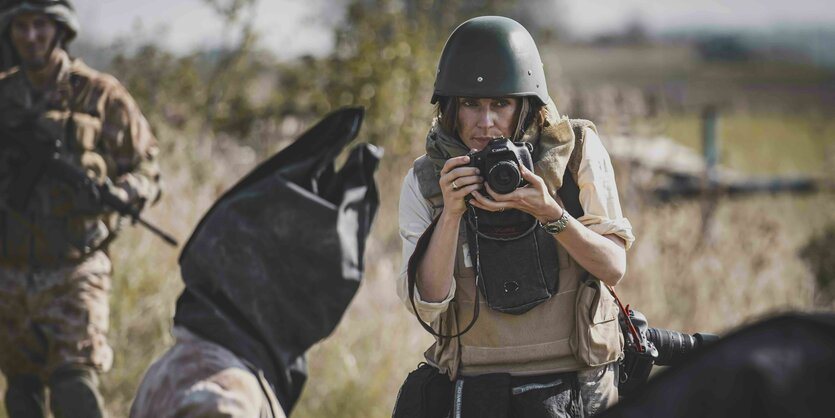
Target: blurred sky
x=294 y=27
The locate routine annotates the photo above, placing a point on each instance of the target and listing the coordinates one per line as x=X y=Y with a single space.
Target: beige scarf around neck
x=553 y=143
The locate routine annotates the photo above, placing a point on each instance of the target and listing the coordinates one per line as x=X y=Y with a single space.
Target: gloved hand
x=117 y=191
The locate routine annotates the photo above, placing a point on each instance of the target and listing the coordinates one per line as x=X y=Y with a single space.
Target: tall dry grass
x=746 y=267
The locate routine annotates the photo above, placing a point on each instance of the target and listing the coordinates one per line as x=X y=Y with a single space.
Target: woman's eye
x=501 y=103
x=468 y=103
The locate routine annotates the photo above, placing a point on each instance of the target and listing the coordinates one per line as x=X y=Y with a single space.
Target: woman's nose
x=486 y=118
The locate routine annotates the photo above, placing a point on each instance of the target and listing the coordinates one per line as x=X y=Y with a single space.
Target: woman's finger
x=530 y=176
x=482 y=202
x=464 y=191
x=498 y=197
x=454 y=162
x=464 y=181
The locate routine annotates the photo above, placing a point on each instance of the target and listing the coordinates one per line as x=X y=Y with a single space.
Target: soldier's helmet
x=59 y=10
x=490 y=56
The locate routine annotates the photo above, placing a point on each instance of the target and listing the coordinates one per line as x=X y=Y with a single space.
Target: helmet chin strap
x=524 y=110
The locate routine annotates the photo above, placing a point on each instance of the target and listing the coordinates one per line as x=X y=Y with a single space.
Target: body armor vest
x=56 y=222
x=544 y=338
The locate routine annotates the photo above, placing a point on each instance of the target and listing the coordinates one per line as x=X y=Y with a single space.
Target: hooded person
x=512 y=233
x=58 y=114
x=269 y=271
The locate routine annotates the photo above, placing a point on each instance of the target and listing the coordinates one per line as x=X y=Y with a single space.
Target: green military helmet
x=490 y=56
x=59 y=10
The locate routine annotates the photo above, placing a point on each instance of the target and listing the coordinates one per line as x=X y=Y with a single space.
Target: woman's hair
x=446 y=111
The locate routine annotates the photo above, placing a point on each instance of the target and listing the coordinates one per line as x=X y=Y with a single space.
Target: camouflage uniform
x=210 y=381
x=54 y=269
x=55 y=317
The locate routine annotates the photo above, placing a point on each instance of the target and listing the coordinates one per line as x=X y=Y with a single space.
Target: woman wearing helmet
x=514 y=286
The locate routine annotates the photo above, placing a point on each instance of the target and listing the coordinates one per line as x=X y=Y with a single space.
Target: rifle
x=45 y=159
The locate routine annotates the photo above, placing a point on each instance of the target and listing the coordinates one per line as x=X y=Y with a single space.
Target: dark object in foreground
x=272 y=266
x=780 y=367
x=650 y=347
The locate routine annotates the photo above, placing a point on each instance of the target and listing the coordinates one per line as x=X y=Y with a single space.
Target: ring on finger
x=454 y=186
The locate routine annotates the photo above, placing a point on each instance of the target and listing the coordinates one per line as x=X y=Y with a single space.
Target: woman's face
x=480 y=120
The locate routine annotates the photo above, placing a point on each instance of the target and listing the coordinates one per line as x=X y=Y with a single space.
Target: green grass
x=765 y=144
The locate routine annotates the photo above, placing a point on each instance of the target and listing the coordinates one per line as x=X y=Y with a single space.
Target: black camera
x=499 y=163
x=653 y=346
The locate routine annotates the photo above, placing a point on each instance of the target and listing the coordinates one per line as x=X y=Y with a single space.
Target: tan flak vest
x=575 y=329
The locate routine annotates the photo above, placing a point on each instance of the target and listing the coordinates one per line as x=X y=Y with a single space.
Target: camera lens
x=504 y=177
x=673 y=346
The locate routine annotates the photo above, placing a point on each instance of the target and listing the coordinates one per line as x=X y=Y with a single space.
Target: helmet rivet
x=529 y=72
x=480 y=79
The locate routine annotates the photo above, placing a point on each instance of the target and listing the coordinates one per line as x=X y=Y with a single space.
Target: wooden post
x=710 y=194
x=710 y=142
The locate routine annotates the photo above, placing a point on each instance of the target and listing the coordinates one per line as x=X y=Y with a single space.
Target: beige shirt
x=598 y=197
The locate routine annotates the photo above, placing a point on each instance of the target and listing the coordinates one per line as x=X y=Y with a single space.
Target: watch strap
x=555 y=227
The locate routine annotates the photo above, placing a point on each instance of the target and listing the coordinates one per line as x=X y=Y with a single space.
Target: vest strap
x=430 y=190
x=630 y=327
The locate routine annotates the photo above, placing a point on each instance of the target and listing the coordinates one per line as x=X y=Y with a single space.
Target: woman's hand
x=533 y=199
x=602 y=256
x=457 y=181
x=434 y=274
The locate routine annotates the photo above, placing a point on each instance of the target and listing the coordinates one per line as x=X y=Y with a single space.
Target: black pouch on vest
x=484 y=396
x=500 y=395
x=425 y=393
x=515 y=259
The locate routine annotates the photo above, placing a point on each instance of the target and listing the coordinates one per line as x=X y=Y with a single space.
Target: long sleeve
x=415 y=216
x=132 y=146
x=599 y=193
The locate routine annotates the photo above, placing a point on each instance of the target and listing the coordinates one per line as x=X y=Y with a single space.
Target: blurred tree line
x=384 y=58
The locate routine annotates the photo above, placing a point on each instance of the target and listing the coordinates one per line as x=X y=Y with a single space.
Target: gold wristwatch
x=555 y=227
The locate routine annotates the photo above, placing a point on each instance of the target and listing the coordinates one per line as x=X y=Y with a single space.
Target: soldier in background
x=54 y=267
